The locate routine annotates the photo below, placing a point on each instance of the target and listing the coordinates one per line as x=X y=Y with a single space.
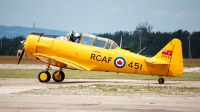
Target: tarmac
x=29 y=95
x=39 y=66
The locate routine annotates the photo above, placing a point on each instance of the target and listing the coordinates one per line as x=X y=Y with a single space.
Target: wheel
x=58 y=77
x=161 y=81
x=44 y=76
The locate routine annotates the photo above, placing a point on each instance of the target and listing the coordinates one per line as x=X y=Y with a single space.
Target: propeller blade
x=21 y=55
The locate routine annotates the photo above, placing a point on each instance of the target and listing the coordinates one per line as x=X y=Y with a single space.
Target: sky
x=102 y=16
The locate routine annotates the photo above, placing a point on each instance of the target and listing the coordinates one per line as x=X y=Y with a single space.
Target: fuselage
x=94 y=58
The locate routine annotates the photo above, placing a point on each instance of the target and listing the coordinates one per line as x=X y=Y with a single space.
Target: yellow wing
x=59 y=62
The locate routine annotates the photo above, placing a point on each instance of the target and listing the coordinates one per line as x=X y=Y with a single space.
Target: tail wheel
x=161 y=81
x=44 y=76
x=58 y=76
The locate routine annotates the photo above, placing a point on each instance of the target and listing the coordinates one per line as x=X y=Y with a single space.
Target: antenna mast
x=189 y=48
x=33 y=28
x=121 y=42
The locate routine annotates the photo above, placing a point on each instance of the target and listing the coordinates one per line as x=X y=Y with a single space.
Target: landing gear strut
x=161 y=80
x=45 y=76
x=58 y=76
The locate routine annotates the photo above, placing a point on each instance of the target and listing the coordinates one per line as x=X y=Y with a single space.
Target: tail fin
x=172 y=54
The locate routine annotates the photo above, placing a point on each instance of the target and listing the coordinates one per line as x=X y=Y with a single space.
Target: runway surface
x=83 y=95
x=43 y=66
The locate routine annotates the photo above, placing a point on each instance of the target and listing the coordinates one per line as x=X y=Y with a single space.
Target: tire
x=56 y=77
x=161 y=81
x=44 y=76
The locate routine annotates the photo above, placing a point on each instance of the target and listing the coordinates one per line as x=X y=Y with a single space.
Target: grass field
x=75 y=74
x=26 y=60
x=191 y=62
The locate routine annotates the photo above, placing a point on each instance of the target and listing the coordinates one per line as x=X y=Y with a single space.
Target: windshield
x=114 y=45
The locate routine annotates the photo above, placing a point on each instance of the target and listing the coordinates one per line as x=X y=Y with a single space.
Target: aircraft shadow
x=113 y=82
x=74 y=82
x=169 y=83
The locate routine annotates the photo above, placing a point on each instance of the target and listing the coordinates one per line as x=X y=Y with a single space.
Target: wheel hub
x=43 y=76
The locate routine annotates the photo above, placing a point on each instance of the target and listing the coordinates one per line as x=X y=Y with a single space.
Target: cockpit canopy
x=91 y=40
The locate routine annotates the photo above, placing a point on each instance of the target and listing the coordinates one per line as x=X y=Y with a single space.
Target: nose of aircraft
x=29 y=46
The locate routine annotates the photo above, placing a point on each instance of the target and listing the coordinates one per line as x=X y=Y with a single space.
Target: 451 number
x=135 y=65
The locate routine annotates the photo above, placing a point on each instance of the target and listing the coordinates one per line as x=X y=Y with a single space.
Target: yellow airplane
x=95 y=53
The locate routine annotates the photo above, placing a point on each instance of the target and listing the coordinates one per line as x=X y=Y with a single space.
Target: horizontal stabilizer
x=155 y=61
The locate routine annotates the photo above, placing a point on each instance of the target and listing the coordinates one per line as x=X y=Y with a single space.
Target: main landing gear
x=45 y=76
x=161 y=80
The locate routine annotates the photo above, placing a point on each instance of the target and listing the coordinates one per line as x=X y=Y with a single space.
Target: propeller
x=23 y=43
x=21 y=55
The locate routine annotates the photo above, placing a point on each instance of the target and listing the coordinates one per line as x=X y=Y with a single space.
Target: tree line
x=155 y=41
x=136 y=40
x=10 y=46
x=143 y=37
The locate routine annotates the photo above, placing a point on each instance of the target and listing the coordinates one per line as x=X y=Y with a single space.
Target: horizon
x=98 y=33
